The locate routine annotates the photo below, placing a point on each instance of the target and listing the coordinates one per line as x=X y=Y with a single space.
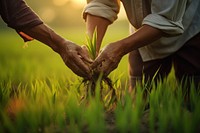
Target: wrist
x=123 y=48
x=47 y=36
x=60 y=46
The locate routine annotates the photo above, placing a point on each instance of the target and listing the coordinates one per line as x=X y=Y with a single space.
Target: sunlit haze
x=63 y=2
x=59 y=12
x=81 y=3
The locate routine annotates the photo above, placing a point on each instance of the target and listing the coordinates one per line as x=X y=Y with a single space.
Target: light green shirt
x=178 y=18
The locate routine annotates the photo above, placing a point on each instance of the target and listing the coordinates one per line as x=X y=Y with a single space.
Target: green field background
x=41 y=94
x=39 y=61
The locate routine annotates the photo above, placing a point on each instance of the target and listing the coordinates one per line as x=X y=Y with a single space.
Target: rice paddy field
x=39 y=94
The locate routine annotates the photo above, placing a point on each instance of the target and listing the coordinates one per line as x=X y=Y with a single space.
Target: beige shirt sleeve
x=103 y=8
x=167 y=15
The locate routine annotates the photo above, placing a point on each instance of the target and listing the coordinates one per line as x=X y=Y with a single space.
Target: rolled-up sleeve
x=107 y=9
x=167 y=15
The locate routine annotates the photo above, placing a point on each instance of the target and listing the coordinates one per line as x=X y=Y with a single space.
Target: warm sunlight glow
x=47 y=14
x=76 y=3
x=79 y=2
x=60 y=2
x=122 y=13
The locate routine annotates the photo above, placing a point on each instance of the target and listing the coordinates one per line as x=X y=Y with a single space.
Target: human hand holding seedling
x=75 y=57
x=108 y=59
x=96 y=75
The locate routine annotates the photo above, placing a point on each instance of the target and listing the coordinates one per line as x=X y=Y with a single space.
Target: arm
x=101 y=24
x=99 y=14
x=21 y=18
x=144 y=36
x=165 y=20
x=72 y=54
x=112 y=53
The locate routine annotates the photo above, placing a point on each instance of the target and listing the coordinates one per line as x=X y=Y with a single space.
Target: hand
x=73 y=55
x=108 y=59
x=76 y=58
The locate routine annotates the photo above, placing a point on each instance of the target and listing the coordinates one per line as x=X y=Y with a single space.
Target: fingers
x=79 y=72
x=72 y=66
x=101 y=58
x=74 y=62
x=96 y=63
x=76 y=59
x=105 y=65
x=82 y=66
x=108 y=70
x=76 y=70
x=85 y=54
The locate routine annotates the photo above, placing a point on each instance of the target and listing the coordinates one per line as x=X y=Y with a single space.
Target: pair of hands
x=77 y=59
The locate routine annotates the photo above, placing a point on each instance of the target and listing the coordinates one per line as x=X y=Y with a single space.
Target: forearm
x=100 y=23
x=18 y=15
x=144 y=36
x=47 y=36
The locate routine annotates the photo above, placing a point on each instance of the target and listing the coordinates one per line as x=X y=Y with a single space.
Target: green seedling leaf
x=91 y=44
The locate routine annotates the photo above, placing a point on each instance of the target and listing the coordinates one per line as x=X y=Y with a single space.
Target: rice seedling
x=45 y=98
x=106 y=86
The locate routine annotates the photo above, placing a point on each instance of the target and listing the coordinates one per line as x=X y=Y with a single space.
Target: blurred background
x=65 y=17
x=61 y=13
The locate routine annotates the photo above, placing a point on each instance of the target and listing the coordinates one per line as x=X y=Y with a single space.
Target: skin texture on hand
x=75 y=57
x=108 y=59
